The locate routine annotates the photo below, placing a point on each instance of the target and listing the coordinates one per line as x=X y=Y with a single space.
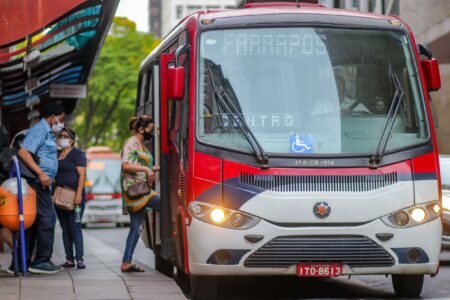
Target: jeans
x=136 y=220
x=42 y=232
x=71 y=233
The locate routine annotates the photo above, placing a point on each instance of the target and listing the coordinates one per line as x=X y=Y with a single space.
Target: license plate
x=319 y=269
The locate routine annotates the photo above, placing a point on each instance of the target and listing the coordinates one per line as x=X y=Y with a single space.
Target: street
x=294 y=288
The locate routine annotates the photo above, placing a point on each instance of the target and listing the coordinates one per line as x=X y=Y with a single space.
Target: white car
x=103 y=192
x=444 y=161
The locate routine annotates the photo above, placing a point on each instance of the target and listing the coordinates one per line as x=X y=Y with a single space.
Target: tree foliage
x=102 y=118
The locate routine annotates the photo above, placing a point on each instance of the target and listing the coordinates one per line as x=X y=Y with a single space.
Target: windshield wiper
x=397 y=100
x=229 y=105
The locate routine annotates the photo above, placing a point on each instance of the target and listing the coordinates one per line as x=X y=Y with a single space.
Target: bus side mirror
x=431 y=73
x=176 y=82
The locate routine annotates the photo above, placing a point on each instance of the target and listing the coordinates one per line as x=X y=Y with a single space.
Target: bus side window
x=148 y=105
x=142 y=92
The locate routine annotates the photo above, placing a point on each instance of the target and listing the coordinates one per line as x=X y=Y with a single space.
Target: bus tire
x=407 y=285
x=203 y=288
x=163 y=266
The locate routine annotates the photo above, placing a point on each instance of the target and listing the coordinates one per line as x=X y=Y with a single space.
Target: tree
x=102 y=118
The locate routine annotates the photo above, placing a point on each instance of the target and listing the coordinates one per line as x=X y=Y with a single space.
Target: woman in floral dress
x=137 y=166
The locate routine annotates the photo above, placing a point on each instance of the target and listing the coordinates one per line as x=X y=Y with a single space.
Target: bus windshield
x=308 y=90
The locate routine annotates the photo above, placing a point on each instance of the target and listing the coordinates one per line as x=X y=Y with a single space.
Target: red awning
x=19 y=18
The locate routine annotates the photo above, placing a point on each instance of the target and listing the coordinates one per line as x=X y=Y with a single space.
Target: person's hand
x=44 y=180
x=156 y=168
x=78 y=199
x=150 y=175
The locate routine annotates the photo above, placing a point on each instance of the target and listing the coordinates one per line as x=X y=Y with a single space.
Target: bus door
x=175 y=123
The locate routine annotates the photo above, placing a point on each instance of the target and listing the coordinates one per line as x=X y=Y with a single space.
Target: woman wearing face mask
x=137 y=167
x=72 y=175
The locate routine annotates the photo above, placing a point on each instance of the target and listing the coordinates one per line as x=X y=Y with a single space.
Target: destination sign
x=266 y=44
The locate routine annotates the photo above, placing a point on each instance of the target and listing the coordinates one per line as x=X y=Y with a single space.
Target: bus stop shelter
x=48 y=49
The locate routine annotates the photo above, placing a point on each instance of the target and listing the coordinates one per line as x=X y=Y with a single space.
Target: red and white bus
x=293 y=139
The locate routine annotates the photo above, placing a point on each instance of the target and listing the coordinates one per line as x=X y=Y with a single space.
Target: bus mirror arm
x=176 y=75
x=425 y=50
x=430 y=67
x=183 y=49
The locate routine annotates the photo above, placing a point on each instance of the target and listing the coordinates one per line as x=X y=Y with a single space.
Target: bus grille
x=355 y=251
x=319 y=183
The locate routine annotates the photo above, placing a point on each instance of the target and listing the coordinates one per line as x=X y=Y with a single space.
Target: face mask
x=56 y=128
x=64 y=143
x=148 y=135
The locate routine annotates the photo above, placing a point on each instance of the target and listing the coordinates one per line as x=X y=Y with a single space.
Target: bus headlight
x=413 y=216
x=418 y=214
x=221 y=216
x=217 y=215
x=446 y=202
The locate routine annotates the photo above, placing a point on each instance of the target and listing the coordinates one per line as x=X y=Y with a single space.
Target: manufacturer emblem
x=321 y=209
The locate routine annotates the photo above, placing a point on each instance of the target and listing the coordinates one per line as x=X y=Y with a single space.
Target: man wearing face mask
x=40 y=141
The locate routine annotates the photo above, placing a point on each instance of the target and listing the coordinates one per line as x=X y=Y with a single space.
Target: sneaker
x=11 y=272
x=80 y=264
x=44 y=268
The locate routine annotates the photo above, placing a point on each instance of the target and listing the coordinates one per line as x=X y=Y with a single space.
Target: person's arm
x=81 y=181
x=28 y=159
x=133 y=168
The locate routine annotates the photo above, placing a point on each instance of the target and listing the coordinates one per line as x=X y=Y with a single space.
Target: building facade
x=154 y=17
x=166 y=14
x=376 y=6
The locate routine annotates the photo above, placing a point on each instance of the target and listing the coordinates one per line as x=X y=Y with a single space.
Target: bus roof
x=274 y=9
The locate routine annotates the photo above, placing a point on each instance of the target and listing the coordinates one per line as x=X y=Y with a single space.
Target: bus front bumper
x=218 y=251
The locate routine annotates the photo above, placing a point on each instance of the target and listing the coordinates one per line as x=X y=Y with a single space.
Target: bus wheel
x=203 y=288
x=407 y=285
x=163 y=266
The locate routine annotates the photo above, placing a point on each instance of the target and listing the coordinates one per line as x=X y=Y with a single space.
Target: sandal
x=133 y=269
x=80 y=264
x=68 y=264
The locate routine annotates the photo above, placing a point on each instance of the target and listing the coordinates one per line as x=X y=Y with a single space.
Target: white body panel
x=104 y=211
x=426 y=191
x=204 y=239
x=346 y=207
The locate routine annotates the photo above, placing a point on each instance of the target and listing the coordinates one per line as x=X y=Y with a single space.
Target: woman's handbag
x=138 y=189
x=64 y=198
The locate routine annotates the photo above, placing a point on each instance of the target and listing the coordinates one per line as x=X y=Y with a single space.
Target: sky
x=135 y=10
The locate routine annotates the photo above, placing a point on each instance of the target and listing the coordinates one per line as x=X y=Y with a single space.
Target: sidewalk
x=101 y=279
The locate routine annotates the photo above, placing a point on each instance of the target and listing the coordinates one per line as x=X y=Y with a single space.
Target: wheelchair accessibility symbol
x=301 y=143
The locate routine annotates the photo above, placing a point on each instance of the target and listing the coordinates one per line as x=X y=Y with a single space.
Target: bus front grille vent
x=319 y=183
x=352 y=250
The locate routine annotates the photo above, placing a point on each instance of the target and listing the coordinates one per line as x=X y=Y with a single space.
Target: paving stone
x=161 y=297
x=14 y=296
x=101 y=289
x=101 y=280
x=42 y=282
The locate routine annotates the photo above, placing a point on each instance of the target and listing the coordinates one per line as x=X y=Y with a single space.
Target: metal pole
x=21 y=218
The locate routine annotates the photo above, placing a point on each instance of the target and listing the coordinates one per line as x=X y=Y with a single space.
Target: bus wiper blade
x=230 y=107
x=397 y=100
